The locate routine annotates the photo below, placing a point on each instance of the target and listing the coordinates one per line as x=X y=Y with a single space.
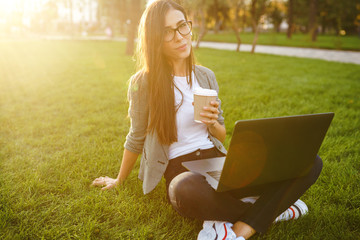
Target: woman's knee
x=184 y=184
x=183 y=190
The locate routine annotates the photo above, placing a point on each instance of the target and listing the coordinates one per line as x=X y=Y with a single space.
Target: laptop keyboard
x=215 y=174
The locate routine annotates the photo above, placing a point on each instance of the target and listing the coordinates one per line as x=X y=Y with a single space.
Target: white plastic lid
x=205 y=92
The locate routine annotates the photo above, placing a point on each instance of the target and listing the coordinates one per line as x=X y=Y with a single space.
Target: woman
x=164 y=132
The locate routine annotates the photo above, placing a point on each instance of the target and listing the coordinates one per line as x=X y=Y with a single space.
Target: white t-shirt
x=191 y=135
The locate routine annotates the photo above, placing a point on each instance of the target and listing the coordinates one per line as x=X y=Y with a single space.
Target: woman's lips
x=182 y=47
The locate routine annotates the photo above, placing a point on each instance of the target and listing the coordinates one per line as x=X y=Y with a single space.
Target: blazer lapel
x=201 y=78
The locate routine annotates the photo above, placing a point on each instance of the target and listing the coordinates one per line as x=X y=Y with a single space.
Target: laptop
x=266 y=150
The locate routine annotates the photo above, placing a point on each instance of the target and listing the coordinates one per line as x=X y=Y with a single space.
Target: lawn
x=63 y=118
x=297 y=40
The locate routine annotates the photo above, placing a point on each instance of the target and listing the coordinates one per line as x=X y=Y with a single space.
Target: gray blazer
x=154 y=159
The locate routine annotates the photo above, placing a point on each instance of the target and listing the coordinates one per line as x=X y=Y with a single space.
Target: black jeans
x=191 y=195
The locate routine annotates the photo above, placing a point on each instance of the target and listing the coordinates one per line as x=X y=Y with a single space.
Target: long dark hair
x=153 y=63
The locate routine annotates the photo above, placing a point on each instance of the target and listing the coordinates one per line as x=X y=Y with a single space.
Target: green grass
x=297 y=40
x=63 y=118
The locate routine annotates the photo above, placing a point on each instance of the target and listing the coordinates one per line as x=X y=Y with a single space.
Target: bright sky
x=29 y=7
x=8 y=6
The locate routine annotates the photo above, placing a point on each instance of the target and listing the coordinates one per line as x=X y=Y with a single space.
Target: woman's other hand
x=107 y=182
x=127 y=164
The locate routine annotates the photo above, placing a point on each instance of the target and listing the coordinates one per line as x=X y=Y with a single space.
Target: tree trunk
x=255 y=39
x=203 y=29
x=290 y=18
x=134 y=10
x=236 y=27
x=237 y=34
x=323 y=26
x=217 y=21
x=201 y=36
x=253 y=15
x=338 y=25
x=313 y=20
x=244 y=17
x=277 y=27
x=256 y=13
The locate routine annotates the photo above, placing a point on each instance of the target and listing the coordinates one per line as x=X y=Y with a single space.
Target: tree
x=290 y=16
x=297 y=16
x=333 y=16
x=313 y=25
x=135 y=11
x=203 y=29
x=276 y=15
x=258 y=9
x=198 y=10
x=235 y=7
x=344 y=14
x=216 y=15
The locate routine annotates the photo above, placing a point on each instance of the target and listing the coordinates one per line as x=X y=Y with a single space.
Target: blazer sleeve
x=138 y=112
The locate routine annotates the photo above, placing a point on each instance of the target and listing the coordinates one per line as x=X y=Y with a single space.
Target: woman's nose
x=178 y=35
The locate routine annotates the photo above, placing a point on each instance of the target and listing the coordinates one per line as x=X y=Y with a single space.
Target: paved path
x=329 y=55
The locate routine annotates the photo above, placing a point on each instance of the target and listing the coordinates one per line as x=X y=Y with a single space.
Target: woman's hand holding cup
x=205 y=106
x=210 y=112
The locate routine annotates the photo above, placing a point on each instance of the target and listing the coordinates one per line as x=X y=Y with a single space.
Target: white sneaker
x=216 y=230
x=208 y=231
x=295 y=211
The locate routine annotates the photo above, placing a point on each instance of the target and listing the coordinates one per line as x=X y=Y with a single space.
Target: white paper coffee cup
x=202 y=98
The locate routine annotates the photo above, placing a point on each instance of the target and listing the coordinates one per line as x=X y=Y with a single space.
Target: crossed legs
x=191 y=196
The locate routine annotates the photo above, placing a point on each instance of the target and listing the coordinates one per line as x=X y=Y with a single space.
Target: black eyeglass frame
x=189 y=23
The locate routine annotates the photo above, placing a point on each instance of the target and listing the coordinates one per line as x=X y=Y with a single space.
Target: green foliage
x=63 y=118
x=276 y=16
x=297 y=40
x=331 y=16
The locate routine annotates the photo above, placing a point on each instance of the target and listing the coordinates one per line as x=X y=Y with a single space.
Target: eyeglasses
x=184 y=29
